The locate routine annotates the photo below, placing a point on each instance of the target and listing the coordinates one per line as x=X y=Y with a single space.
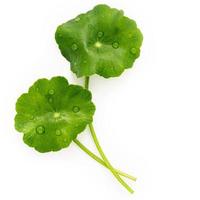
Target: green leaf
x=103 y=41
x=52 y=113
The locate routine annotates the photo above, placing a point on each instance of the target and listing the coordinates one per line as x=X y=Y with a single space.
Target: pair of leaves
x=102 y=41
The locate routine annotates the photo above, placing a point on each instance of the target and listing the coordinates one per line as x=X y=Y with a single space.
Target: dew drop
x=58 y=132
x=76 y=109
x=133 y=50
x=60 y=35
x=40 y=130
x=50 y=100
x=51 y=92
x=100 y=34
x=90 y=26
x=74 y=47
x=115 y=45
x=76 y=126
x=135 y=38
x=77 y=19
x=32 y=117
x=130 y=35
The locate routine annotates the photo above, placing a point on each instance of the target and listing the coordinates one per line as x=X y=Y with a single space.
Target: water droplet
x=60 y=35
x=77 y=19
x=90 y=26
x=74 y=47
x=85 y=61
x=115 y=45
x=135 y=37
x=133 y=50
x=100 y=34
x=130 y=35
x=51 y=92
x=32 y=117
x=58 y=132
x=76 y=109
x=50 y=100
x=40 y=130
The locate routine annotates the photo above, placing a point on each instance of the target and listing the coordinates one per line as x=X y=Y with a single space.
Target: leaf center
x=56 y=115
x=98 y=44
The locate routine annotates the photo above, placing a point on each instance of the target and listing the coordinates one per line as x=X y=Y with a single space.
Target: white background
x=147 y=120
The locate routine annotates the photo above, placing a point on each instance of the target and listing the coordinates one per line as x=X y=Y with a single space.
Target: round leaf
x=52 y=113
x=103 y=41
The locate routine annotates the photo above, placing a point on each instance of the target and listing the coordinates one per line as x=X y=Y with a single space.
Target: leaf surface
x=52 y=113
x=102 y=41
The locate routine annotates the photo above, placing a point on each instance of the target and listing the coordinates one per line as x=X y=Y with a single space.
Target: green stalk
x=86 y=84
x=99 y=160
x=110 y=167
x=107 y=161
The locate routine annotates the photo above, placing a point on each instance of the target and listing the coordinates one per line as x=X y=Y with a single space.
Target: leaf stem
x=99 y=160
x=86 y=84
x=107 y=161
x=95 y=139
